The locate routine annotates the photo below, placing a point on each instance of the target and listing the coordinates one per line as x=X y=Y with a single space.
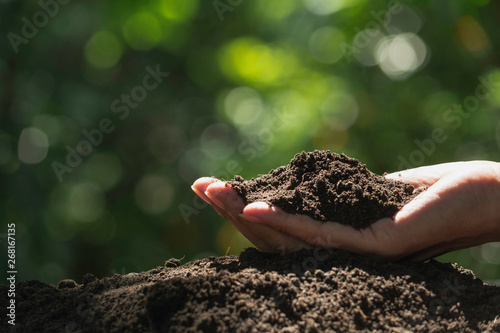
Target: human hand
x=459 y=209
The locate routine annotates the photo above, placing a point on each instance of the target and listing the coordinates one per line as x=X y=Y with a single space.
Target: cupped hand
x=459 y=209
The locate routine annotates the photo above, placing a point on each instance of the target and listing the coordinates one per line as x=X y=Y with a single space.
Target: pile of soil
x=328 y=187
x=314 y=290
x=309 y=291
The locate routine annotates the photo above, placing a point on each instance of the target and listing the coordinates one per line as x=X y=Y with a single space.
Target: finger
x=428 y=175
x=418 y=178
x=313 y=232
x=230 y=205
x=200 y=186
x=225 y=197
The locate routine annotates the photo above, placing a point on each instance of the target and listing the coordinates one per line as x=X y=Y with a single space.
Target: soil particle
x=316 y=290
x=328 y=187
x=172 y=262
x=68 y=283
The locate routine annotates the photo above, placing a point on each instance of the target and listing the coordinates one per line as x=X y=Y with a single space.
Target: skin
x=460 y=209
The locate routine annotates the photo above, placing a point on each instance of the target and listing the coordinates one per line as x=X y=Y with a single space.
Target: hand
x=460 y=209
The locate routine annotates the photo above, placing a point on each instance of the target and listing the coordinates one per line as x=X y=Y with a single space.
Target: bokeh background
x=250 y=83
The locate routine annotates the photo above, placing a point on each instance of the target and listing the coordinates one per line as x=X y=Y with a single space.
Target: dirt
x=316 y=290
x=328 y=187
x=309 y=291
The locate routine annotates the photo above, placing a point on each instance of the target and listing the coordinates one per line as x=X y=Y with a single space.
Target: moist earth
x=315 y=290
x=328 y=187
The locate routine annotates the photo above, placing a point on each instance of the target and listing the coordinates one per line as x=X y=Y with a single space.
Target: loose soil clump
x=328 y=187
x=308 y=291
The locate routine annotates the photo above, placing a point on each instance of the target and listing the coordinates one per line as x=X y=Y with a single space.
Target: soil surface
x=328 y=187
x=308 y=291
x=317 y=290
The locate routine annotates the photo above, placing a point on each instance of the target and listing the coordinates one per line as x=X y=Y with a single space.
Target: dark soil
x=319 y=290
x=308 y=291
x=328 y=187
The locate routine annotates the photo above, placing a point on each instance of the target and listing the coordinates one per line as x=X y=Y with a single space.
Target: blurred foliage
x=250 y=83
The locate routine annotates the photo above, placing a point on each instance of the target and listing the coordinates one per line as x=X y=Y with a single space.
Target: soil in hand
x=328 y=187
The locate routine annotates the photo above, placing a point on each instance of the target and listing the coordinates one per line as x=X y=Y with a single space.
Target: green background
x=250 y=83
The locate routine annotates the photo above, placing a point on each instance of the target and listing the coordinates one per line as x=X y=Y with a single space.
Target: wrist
x=494 y=201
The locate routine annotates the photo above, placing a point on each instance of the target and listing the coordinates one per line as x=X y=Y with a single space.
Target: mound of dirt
x=317 y=290
x=309 y=291
x=328 y=187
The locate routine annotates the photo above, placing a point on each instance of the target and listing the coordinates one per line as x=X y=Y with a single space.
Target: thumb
x=425 y=175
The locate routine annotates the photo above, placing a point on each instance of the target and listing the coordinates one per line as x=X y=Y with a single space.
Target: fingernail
x=251 y=218
x=215 y=200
